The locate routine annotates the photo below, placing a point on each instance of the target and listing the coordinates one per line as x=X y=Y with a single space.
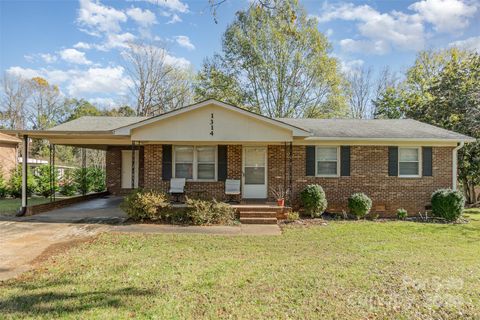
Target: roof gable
x=296 y=131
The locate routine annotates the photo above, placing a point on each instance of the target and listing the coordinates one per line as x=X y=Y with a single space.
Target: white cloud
x=329 y=32
x=98 y=18
x=175 y=18
x=103 y=102
x=48 y=58
x=376 y=47
x=173 y=5
x=471 y=44
x=445 y=15
x=74 y=56
x=177 y=61
x=144 y=18
x=349 y=66
x=384 y=30
x=81 y=83
x=82 y=45
x=185 y=42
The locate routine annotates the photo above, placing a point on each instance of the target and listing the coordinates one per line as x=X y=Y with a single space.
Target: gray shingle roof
x=100 y=123
x=373 y=129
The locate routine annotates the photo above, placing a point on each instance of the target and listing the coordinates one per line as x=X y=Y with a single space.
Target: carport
x=74 y=137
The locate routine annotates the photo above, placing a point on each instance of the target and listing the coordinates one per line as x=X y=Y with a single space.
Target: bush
x=3 y=186
x=447 y=204
x=14 y=184
x=202 y=212
x=82 y=181
x=67 y=184
x=145 y=205
x=97 y=179
x=314 y=200
x=292 y=216
x=402 y=214
x=359 y=205
x=43 y=179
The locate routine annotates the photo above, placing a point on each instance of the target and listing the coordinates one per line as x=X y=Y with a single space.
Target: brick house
x=397 y=163
x=8 y=154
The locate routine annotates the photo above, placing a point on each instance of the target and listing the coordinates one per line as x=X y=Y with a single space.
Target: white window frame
x=338 y=163
x=419 y=151
x=195 y=162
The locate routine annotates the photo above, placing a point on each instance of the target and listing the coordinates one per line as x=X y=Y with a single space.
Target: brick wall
x=8 y=159
x=151 y=172
x=368 y=174
x=114 y=169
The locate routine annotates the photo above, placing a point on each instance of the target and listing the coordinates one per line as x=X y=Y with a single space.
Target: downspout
x=455 y=165
x=23 y=209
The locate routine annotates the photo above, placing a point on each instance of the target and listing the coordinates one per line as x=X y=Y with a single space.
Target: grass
x=345 y=270
x=10 y=206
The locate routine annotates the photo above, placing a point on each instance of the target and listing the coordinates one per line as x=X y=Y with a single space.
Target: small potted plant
x=280 y=193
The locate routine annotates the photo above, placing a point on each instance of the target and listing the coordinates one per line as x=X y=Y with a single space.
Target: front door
x=254 y=172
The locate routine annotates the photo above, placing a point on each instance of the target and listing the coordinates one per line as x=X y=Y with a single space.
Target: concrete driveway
x=23 y=240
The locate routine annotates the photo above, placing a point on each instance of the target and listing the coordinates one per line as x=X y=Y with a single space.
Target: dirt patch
x=59 y=248
x=304 y=222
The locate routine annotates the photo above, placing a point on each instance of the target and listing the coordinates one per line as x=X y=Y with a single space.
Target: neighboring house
x=33 y=164
x=8 y=154
x=398 y=163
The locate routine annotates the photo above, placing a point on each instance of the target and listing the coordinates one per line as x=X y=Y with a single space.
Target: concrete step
x=263 y=208
x=258 y=214
x=258 y=220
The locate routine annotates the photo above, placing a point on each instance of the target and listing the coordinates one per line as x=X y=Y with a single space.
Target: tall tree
x=281 y=62
x=14 y=98
x=157 y=85
x=443 y=88
x=360 y=92
x=80 y=108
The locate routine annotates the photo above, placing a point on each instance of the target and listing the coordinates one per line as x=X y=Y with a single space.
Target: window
x=409 y=162
x=195 y=162
x=327 y=161
x=184 y=162
x=206 y=163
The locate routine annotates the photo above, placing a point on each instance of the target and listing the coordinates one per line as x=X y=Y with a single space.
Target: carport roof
x=96 y=124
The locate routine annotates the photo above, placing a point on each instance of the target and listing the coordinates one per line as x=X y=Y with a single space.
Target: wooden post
x=133 y=165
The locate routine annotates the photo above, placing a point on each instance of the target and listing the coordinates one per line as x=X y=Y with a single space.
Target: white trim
x=295 y=130
x=338 y=163
x=420 y=160
x=195 y=162
x=455 y=165
x=386 y=139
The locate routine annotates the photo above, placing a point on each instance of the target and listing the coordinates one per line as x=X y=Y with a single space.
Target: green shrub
x=447 y=204
x=43 y=178
x=314 y=200
x=359 y=205
x=293 y=216
x=14 y=184
x=203 y=212
x=67 y=184
x=402 y=214
x=82 y=181
x=145 y=205
x=3 y=186
x=97 y=179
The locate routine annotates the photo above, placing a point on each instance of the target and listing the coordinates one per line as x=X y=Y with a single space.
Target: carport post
x=23 y=209
x=133 y=164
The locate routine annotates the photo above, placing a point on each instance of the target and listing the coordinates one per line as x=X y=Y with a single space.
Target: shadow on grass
x=56 y=303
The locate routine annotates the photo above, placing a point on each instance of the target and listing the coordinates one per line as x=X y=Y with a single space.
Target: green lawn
x=345 y=270
x=10 y=206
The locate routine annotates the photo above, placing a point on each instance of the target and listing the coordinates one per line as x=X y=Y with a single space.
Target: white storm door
x=255 y=172
x=127 y=169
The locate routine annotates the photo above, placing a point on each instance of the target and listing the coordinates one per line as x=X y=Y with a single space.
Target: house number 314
x=211 y=124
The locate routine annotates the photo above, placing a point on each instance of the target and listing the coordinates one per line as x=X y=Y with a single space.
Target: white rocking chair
x=232 y=188
x=177 y=188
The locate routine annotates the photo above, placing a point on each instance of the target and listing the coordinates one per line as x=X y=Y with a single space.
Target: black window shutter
x=166 y=161
x=222 y=163
x=310 y=160
x=427 y=161
x=345 y=160
x=393 y=161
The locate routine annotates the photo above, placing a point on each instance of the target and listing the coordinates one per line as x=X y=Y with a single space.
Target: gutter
x=455 y=164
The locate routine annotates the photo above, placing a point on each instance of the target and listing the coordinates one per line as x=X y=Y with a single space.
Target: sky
x=78 y=45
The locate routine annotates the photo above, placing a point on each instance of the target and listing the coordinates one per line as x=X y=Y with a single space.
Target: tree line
x=276 y=62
